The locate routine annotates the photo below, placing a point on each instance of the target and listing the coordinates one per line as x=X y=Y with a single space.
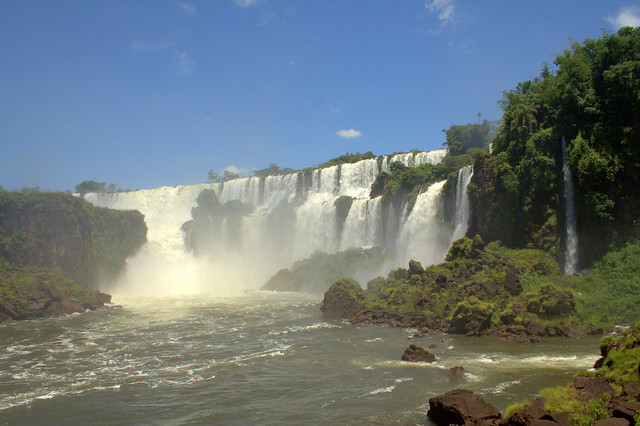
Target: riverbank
x=27 y=294
x=608 y=396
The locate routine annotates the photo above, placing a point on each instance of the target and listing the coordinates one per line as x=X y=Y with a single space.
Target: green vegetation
x=25 y=293
x=43 y=230
x=226 y=175
x=404 y=183
x=466 y=139
x=88 y=186
x=514 y=291
x=347 y=158
x=620 y=364
x=592 y=99
x=273 y=170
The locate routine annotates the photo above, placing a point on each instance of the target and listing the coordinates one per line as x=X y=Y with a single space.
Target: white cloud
x=444 y=9
x=187 y=8
x=349 y=134
x=183 y=62
x=244 y=3
x=626 y=17
x=236 y=170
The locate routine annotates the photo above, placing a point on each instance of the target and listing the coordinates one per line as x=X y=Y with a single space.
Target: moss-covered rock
x=471 y=317
x=344 y=298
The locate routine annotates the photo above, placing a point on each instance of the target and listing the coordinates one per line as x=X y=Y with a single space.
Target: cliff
x=53 y=246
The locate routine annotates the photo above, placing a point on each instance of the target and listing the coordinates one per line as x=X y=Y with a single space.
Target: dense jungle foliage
x=592 y=99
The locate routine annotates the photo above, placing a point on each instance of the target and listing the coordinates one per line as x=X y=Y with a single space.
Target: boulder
x=417 y=354
x=534 y=411
x=343 y=299
x=512 y=282
x=611 y=421
x=471 y=316
x=460 y=406
x=590 y=388
x=457 y=371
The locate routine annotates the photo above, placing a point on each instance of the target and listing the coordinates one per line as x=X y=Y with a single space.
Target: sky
x=150 y=93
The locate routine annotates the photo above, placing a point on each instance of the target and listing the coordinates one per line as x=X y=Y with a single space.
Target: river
x=253 y=359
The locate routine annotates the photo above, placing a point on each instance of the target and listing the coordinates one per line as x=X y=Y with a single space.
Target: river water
x=259 y=358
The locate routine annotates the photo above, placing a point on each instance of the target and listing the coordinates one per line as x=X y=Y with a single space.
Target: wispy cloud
x=245 y=3
x=183 y=62
x=138 y=46
x=349 y=134
x=187 y=9
x=444 y=9
x=626 y=17
x=236 y=170
x=142 y=46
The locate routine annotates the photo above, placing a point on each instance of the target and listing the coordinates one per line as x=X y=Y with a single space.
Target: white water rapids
x=268 y=239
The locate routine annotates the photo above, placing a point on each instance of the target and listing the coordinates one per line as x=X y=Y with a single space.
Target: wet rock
x=417 y=354
x=68 y=307
x=457 y=371
x=461 y=406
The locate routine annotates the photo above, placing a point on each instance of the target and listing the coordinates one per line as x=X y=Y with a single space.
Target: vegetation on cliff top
x=592 y=99
x=60 y=232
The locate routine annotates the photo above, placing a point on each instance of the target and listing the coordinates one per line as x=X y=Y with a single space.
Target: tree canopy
x=592 y=98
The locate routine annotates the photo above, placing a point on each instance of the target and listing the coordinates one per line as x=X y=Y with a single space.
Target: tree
x=228 y=175
x=462 y=138
x=213 y=176
x=90 y=186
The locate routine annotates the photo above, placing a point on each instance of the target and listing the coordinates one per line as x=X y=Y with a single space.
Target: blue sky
x=149 y=93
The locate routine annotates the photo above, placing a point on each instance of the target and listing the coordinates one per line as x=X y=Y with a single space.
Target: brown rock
x=612 y=421
x=457 y=371
x=591 y=388
x=417 y=354
x=535 y=410
x=558 y=418
x=460 y=406
x=343 y=299
x=70 y=307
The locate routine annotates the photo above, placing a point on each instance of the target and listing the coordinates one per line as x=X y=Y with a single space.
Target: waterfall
x=424 y=237
x=286 y=218
x=571 y=243
x=461 y=222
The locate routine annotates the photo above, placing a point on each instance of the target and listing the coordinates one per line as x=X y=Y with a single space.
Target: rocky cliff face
x=56 y=231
